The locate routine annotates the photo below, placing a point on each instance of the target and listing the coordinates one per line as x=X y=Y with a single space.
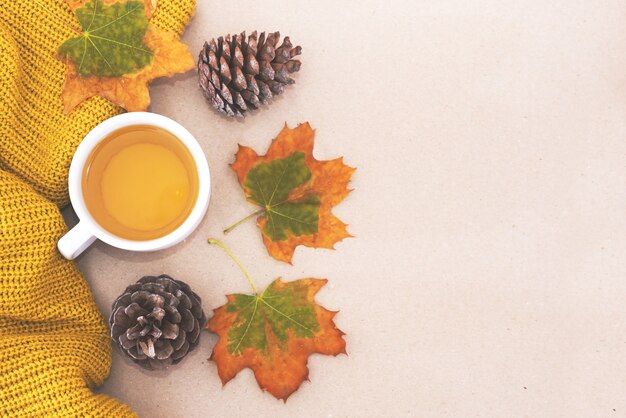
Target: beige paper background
x=487 y=276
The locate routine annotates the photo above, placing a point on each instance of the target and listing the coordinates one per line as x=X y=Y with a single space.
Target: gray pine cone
x=238 y=73
x=157 y=321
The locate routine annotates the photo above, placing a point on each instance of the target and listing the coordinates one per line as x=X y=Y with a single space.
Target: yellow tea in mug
x=140 y=183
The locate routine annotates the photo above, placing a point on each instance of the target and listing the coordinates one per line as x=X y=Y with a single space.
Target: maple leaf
x=118 y=52
x=274 y=333
x=296 y=192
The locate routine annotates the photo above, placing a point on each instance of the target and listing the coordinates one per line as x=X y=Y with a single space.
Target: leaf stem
x=214 y=241
x=239 y=222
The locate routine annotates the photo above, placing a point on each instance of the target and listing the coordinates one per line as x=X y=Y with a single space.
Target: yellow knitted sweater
x=54 y=343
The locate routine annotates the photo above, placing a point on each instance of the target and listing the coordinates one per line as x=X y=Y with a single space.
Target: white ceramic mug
x=87 y=230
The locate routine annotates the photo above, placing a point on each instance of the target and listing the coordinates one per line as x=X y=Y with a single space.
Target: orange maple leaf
x=305 y=216
x=274 y=333
x=129 y=90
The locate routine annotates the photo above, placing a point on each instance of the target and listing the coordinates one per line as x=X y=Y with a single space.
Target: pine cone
x=157 y=321
x=237 y=74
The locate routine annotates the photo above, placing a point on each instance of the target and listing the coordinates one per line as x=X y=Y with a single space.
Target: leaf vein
x=93 y=16
x=245 y=332
x=117 y=18
x=265 y=202
x=291 y=218
x=103 y=57
x=121 y=43
x=280 y=179
x=84 y=54
x=286 y=316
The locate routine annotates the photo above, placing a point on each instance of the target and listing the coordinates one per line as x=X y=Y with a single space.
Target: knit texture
x=54 y=344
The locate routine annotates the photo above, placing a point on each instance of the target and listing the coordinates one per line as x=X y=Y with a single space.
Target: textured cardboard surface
x=487 y=276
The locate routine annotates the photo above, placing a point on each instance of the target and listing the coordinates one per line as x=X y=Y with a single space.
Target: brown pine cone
x=157 y=321
x=238 y=73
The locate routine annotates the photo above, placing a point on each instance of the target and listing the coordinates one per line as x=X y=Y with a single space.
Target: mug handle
x=75 y=241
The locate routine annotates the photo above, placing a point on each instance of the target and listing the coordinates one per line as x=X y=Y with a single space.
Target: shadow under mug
x=88 y=230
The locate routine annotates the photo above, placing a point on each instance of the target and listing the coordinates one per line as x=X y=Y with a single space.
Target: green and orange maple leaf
x=274 y=333
x=295 y=191
x=117 y=52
